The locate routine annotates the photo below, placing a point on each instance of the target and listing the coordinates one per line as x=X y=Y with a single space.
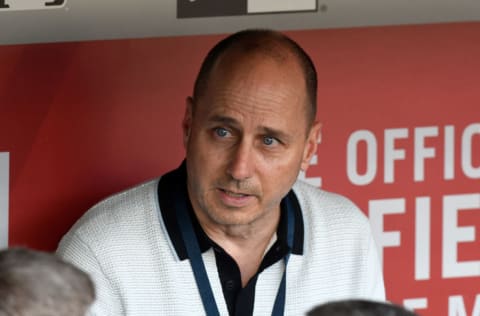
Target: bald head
x=265 y=43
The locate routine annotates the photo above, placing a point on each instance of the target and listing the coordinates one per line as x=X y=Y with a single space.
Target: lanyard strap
x=198 y=266
x=196 y=261
x=279 y=305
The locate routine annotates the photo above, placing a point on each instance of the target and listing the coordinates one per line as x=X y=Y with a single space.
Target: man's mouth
x=235 y=199
x=234 y=194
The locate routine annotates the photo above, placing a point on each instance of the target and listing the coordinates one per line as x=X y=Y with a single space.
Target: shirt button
x=230 y=284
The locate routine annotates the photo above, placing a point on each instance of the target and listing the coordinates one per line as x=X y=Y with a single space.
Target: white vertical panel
x=4 y=192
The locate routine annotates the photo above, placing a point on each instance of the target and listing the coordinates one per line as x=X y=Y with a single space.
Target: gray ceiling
x=30 y=21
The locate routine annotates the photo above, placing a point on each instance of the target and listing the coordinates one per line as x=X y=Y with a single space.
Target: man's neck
x=246 y=244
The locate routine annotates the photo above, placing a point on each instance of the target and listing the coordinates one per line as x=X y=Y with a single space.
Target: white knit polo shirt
x=123 y=244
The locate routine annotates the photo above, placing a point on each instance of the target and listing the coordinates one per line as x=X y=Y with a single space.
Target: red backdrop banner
x=400 y=108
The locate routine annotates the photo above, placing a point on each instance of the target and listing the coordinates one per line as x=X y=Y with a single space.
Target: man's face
x=246 y=138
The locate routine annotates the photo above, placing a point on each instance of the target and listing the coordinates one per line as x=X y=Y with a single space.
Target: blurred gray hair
x=36 y=283
x=359 y=308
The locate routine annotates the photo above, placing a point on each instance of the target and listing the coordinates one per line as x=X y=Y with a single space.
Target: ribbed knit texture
x=123 y=244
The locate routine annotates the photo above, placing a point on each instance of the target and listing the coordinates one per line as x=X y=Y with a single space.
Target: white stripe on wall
x=4 y=184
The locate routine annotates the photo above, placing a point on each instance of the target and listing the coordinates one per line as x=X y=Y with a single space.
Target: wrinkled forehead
x=272 y=69
x=259 y=85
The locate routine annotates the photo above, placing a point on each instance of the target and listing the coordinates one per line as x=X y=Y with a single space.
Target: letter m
x=456 y=306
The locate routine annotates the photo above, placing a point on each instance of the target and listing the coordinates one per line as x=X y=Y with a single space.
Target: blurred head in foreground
x=359 y=308
x=37 y=283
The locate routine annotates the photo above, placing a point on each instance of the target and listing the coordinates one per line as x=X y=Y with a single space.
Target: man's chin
x=232 y=217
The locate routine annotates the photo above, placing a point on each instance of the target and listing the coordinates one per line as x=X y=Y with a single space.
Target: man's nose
x=242 y=163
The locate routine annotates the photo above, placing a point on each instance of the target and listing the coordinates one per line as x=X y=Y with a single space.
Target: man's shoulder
x=119 y=210
x=321 y=198
x=328 y=207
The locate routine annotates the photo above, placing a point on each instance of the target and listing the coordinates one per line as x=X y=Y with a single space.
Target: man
x=359 y=308
x=231 y=232
x=36 y=283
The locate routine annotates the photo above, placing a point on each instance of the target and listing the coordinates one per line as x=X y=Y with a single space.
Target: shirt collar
x=173 y=185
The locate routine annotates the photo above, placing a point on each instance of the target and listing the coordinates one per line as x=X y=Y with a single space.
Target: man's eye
x=221 y=132
x=269 y=141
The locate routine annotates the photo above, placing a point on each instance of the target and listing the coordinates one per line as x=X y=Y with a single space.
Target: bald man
x=232 y=231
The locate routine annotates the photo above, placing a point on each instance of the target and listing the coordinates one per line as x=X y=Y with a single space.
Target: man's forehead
x=258 y=83
x=237 y=71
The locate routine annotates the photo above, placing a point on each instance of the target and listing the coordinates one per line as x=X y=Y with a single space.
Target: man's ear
x=187 y=121
x=314 y=138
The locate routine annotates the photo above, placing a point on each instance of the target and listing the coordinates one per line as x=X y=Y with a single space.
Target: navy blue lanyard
x=198 y=267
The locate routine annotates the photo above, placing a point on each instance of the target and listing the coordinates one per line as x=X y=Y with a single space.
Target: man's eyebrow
x=224 y=119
